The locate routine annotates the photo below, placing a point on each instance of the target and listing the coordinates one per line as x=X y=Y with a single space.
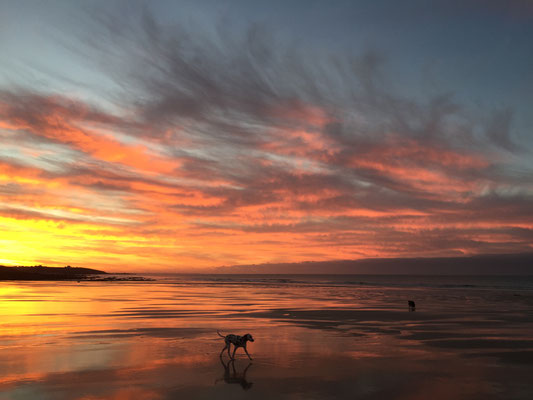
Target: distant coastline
x=43 y=273
x=68 y=273
x=486 y=264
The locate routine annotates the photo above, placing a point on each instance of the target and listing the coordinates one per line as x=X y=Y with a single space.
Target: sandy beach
x=314 y=339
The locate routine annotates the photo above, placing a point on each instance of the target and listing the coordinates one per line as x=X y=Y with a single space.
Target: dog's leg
x=234 y=350
x=247 y=353
x=229 y=347
x=225 y=347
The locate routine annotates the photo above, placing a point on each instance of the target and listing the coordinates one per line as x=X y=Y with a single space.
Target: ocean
x=316 y=337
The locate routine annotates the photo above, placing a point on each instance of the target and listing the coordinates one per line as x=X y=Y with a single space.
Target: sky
x=179 y=135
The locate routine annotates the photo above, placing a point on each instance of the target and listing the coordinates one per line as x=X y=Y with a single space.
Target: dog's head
x=248 y=337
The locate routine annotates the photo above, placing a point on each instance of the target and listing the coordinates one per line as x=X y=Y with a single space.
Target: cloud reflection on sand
x=158 y=340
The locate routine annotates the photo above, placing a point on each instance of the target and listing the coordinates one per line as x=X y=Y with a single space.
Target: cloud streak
x=235 y=147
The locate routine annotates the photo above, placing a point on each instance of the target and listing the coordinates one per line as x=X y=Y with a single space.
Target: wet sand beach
x=315 y=338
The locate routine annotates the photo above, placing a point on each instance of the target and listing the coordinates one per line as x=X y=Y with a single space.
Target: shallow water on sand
x=315 y=338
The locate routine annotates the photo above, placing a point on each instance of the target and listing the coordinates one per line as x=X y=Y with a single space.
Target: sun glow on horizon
x=240 y=149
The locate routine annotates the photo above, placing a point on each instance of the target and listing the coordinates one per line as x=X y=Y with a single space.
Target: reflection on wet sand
x=234 y=377
x=158 y=340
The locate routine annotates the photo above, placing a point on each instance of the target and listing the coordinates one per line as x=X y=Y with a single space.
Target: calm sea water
x=509 y=282
x=316 y=337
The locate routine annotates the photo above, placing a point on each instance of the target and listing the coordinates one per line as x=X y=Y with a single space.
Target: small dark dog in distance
x=237 y=341
x=411 y=305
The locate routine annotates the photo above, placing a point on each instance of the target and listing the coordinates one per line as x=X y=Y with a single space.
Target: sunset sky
x=171 y=135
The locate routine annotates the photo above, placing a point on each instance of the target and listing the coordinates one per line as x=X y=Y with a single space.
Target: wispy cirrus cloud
x=238 y=148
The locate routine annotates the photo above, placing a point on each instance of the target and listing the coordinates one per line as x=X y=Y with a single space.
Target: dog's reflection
x=232 y=376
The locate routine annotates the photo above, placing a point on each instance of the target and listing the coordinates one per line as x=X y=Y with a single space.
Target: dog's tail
x=220 y=334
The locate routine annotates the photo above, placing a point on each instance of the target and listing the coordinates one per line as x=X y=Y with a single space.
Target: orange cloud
x=119 y=201
x=73 y=124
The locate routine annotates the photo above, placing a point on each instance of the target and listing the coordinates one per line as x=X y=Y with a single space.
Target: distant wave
x=435 y=282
